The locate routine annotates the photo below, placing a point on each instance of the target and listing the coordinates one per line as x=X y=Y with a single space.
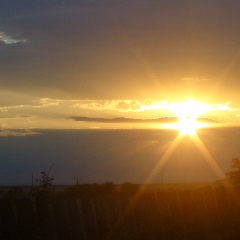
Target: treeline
x=78 y=190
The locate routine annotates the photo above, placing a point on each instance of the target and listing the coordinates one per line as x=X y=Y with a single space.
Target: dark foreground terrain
x=85 y=212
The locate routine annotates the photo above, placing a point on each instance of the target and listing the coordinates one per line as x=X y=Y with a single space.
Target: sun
x=187 y=126
x=187 y=112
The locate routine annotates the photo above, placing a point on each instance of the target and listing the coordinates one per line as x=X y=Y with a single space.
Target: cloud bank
x=166 y=120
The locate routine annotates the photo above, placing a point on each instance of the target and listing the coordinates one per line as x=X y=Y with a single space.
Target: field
x=154 y=213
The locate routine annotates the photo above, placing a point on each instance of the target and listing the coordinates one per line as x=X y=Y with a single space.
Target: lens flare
x=187 y=113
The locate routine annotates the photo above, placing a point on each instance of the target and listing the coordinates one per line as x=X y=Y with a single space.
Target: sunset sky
x=125 y=66
x=67 y=63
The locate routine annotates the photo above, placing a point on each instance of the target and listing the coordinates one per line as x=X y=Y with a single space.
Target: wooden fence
x=207 y=213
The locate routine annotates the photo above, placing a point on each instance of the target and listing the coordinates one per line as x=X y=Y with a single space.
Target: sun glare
x=188 y=112
x=189 y=108
x=187 y=126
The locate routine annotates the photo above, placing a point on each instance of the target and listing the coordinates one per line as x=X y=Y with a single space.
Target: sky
x=118 y=156
x=71 y=66
x=66 y=63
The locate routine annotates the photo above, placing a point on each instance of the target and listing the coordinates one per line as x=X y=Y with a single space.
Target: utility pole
x=32 y=179
x=77 y=179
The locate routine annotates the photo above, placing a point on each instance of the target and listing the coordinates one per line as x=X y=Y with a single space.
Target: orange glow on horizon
x=189 y=108
x=188 y=112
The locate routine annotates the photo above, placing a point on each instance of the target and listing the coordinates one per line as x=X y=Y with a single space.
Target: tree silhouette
x=234 y=176
x=45 y=181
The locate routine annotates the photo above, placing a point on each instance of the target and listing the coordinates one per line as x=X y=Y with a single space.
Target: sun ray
x=215 y=167
x=170 y=150
x=187 y=112
x=208 y=157
x=136 y=197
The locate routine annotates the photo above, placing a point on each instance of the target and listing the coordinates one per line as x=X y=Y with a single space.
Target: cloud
x=7 y=108
x=55 y=113
x=121 y=105
x=96 y=105
x=123 y=120
x=39 y=103
x=9 y=40
x=163 y=120
x=17 y=116
x=47 y=102
x=223 y=107
x=17 y=133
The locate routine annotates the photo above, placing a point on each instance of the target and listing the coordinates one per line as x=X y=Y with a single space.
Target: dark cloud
x=124 y=120
x=17 y=116
x=135 y=120
x=17 y=133
x=102 y=49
